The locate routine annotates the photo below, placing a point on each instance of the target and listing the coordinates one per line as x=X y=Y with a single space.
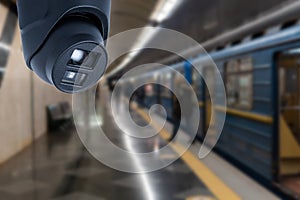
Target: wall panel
x=16 y=131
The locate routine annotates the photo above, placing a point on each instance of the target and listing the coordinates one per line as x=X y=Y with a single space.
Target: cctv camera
x=64 y=41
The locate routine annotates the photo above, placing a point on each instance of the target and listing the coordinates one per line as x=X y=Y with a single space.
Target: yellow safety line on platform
x=216 y=185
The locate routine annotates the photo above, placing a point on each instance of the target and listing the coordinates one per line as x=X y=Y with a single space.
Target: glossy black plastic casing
x=52 y=29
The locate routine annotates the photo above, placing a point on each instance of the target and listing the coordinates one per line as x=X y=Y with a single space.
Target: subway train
x=261 y=75
x=258 y=63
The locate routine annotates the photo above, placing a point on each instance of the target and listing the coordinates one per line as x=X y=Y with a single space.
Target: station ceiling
x=199 y=19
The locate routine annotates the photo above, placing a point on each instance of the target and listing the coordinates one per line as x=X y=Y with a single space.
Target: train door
x=165 y=94
x=150 y=91
x=289 y=118
x=209 y=74
x=177 y=81
x=198 y=88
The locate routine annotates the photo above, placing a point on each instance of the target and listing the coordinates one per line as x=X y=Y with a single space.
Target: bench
x=59 y=115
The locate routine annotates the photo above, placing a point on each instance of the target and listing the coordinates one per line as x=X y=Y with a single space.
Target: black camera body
x=64 y=40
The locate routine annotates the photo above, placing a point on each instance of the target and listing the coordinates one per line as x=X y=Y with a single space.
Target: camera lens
x=85 y=59
x=75 y=55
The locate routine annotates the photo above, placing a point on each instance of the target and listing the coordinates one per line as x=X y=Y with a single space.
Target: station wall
x=19 y=88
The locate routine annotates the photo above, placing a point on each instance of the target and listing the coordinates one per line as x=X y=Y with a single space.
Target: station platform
x=57 y=166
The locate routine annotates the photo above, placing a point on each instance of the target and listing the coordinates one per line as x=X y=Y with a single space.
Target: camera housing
x=64 y=41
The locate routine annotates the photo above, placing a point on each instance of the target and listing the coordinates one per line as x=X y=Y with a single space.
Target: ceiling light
x=164 y=9
x=144 y=38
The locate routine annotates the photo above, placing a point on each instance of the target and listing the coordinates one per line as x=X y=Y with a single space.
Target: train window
x=232 y=90
x=239 y=78
x=232 y=66
x=149 y=90
x=245 y=90
x=166 y=80
x=197 y=83
x=210 y=75
x=179 y=76
x=246 y=64
x=179 y=79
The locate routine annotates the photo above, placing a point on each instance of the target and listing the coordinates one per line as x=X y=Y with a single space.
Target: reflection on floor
x=59 y=167
x=292 y=183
